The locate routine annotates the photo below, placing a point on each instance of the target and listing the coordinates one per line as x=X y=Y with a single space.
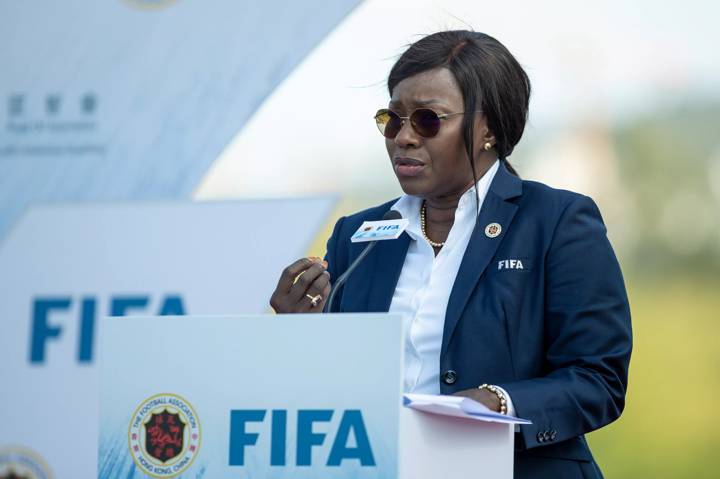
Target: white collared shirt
x=423 y=289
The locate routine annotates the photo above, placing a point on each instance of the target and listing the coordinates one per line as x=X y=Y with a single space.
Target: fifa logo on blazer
x=510 y=264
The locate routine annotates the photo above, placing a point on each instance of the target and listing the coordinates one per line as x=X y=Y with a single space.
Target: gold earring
x=487 y=146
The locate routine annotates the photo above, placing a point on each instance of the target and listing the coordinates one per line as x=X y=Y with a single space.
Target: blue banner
x=134 y=99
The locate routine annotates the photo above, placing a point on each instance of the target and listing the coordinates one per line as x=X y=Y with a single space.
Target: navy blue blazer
x=555 y=334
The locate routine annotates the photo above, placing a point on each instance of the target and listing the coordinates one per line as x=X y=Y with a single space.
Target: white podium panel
x=433 y=446
x=288 y=396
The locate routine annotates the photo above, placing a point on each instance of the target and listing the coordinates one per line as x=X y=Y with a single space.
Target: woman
x=510 y=290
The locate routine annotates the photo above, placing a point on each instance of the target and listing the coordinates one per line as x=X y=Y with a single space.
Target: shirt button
x=449 y=376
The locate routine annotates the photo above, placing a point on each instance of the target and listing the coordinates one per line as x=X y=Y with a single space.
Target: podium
x=276 y=396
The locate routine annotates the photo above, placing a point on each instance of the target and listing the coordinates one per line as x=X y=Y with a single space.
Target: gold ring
x=314 y=300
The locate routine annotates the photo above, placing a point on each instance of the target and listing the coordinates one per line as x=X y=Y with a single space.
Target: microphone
x=389 y=215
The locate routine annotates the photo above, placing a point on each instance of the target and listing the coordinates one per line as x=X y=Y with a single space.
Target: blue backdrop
x=134 y=99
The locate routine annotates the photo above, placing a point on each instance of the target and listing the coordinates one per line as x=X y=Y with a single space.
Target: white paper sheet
x=457 y=406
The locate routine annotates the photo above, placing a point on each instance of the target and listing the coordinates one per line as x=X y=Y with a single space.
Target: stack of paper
x=457 y=406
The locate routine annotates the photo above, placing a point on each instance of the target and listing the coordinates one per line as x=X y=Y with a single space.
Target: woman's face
x=437 y=167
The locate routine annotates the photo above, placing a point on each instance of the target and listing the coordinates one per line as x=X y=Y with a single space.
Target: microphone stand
x=343 y=277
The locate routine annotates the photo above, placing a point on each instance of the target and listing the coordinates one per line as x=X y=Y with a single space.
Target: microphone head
x=392 y=215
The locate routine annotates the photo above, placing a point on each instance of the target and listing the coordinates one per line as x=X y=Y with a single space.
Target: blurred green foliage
x=669 y=162
x=669 y=428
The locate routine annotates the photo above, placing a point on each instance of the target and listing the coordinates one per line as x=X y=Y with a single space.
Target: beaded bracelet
x=498 y=392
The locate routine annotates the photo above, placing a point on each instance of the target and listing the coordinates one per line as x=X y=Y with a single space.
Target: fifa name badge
x=379 y=230
x=164 y=435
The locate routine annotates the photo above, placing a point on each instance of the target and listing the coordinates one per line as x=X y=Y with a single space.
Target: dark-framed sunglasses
x=424 y=121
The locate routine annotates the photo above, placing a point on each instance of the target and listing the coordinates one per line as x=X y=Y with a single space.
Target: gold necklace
x=434 y=244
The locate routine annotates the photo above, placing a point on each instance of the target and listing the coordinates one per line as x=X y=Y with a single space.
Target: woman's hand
x=483 y=396
x=303 y=287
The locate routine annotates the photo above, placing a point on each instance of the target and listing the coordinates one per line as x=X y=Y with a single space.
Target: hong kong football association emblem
x=164 y=435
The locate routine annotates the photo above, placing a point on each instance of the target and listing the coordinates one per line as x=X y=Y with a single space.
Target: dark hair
x=490 y=79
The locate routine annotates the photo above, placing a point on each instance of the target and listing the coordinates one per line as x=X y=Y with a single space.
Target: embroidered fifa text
x=510 y=264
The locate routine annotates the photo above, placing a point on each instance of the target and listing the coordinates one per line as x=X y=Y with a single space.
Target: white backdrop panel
x=64 y=267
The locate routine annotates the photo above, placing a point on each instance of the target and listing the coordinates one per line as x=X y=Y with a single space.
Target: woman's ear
x=488 y=137
x=483 y=134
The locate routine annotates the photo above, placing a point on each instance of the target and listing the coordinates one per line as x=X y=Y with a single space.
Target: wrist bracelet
x=498 y=392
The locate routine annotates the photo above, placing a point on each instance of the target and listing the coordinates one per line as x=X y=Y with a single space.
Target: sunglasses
x=424 y=121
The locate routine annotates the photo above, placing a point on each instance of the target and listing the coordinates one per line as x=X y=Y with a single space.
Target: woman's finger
x=314 y=299
x=301 y=286
x=291 y=272
x=320 y=282
x=325 y=294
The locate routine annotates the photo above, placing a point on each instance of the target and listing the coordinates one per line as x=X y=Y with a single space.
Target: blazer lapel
x=481 y=248
x=389 y=259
